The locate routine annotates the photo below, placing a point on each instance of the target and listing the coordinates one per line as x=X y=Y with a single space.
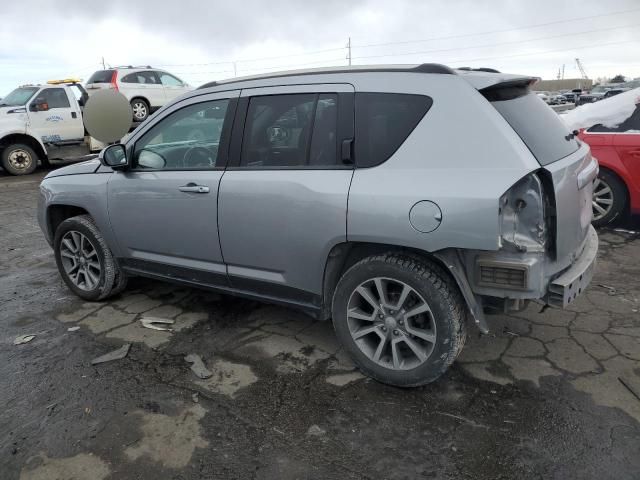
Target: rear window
x=540 y=128
x=383 y=123
x=101 y=76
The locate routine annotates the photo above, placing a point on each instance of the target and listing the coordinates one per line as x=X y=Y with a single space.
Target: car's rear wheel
x=19 y=159
x=84 y=259
x=609 y=200
x=140 y=109
x=400 y=318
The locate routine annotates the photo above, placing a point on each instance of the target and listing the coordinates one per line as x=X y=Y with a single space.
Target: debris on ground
x=23 y=339
x=629 y=387
x=155 y=323
x=195 y=398
x=506 y=331
x=612 y=290
x=315 y=431
x=73 y=329
x=117 y=354
x=624 y=230
x=198 y=366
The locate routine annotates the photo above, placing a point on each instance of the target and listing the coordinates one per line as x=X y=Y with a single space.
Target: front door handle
x=193 y=188
x=635 y=153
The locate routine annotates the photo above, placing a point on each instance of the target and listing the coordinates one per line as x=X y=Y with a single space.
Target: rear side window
x=383 y=123
x=131 y=78
x=294 y=130
x=540 y=128
x=101 y=76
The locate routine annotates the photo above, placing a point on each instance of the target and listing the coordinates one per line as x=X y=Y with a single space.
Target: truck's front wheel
x=19 y=159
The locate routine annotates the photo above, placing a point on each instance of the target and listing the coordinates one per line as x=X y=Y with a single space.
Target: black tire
x=142 y=106
x=618 y=196
x=19 y=159
x=109 y=270
x=435 y=286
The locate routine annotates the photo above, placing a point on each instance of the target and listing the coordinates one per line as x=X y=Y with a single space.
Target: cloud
x=200 y=40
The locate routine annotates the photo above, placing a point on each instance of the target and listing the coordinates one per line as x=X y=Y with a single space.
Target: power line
x=301 y=54
x=497 y=44
x=449 y=37
x=595 y=45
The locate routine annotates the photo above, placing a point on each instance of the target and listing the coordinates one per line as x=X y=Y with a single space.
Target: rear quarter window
x=383 y=123
x=101 y=76
x=539 y=127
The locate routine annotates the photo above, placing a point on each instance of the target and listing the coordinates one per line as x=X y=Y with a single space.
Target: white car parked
x=146 y=88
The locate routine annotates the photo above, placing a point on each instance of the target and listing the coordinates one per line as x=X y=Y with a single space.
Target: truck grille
x=495 y=274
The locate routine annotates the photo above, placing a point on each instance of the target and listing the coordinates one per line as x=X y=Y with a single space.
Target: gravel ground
x=542 y=396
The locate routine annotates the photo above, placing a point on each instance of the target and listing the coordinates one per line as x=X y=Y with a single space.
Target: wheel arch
x=343 y=256
x=34 y=143
x=58 y=213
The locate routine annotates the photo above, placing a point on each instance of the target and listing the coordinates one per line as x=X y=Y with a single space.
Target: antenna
x=349 y=50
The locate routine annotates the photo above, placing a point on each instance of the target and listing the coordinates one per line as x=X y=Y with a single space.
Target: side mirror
x=114 y=156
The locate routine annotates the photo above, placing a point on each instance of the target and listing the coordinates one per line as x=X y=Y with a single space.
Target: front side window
x=188 y=138
x=169 y=80
x=297 y=130
x=53 y=97
x=383 y=123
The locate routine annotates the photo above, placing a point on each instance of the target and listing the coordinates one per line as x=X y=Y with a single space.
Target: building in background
x=564 y=84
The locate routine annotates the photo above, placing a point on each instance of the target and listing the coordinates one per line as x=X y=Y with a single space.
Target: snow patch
x=610 y=112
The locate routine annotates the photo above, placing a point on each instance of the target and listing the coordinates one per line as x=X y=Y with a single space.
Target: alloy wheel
x=80 y=260
x=20 y=159
x=391 y=323
x=139 y=110
x=602 y=200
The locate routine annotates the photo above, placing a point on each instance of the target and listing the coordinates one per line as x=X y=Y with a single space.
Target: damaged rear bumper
x=565 y=288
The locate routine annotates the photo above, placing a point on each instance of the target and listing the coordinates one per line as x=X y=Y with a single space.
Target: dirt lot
x=541 y=397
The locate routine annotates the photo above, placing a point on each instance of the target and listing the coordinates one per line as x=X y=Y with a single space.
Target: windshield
x=600 y=89
x=19 y=97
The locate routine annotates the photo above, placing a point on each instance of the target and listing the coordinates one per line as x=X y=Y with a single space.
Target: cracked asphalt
x=545 y=395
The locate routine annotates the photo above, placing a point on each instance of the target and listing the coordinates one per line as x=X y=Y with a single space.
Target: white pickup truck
x=42 y=123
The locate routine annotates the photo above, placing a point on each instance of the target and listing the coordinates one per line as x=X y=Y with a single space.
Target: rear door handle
x=635 y=153
x=193 y=188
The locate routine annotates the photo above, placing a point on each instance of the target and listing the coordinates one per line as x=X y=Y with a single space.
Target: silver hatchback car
x=403 y=202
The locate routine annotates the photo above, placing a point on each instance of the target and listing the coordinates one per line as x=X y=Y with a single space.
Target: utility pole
x=563 y=71
x=103 y=67
x=349 y=51
x=235 y=70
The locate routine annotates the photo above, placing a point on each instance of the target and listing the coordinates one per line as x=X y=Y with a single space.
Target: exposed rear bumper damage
x=569 y=284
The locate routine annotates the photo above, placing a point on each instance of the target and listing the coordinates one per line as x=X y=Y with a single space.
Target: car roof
x=479 y=78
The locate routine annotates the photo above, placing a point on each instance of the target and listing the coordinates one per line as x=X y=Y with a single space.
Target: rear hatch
x=102 y=79
x=567 y=162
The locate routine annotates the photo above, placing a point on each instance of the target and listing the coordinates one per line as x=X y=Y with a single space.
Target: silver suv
x=403 y=202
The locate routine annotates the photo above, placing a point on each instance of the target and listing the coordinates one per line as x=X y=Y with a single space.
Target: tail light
x=114 y=79
x=524 y=223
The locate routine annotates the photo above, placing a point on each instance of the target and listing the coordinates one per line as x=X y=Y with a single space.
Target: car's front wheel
x=19 y=159
x=85 y=261
x=400 y=318
x=609 y=198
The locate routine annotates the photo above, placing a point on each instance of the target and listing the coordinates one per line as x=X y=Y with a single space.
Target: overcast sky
x=199 y=40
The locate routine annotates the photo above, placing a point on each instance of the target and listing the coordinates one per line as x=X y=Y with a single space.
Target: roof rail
x=423 y=68
x=480 y=69
x=133 y=66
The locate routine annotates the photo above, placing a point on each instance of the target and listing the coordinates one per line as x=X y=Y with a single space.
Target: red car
x=617 y=188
